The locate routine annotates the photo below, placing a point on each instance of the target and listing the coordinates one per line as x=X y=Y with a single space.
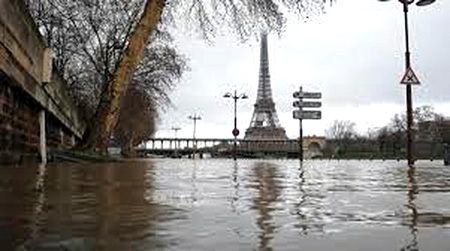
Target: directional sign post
x=310 y=95
x=301 y=114
x=307 y=104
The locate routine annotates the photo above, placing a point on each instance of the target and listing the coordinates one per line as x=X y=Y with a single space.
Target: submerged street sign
x=312 y=95
x=307 y=104
x=299 y=114
x=410 y=78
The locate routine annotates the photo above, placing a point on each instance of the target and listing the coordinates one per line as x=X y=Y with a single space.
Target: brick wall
x=19 y=125
x=19 y=122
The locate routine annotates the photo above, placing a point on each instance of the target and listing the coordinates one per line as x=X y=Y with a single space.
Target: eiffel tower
x=264 y=124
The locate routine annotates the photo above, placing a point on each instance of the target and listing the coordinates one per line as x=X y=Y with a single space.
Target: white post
x=61 y=139
x=446 y=154
x=42 y=141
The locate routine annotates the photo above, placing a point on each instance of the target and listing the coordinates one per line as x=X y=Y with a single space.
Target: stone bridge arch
x=313 y=146
x=314 y=142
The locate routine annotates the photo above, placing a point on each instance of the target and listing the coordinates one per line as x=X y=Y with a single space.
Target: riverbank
x=9 y=158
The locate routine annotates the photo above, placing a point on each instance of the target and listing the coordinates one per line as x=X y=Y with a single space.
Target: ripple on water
x=183 y=204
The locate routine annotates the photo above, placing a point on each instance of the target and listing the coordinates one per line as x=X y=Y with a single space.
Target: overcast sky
x=353 y=54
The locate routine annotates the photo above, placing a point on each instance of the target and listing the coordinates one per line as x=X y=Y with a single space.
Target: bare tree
x=372 y=133
x=384 y=138
x=342 y=132
x=423 y=115
x=95 y=35
x=426 y=126
x=147 y=94
x=137 y=120
x=429 y=124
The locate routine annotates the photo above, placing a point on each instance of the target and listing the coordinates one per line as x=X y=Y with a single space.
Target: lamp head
x=401 y=1
x=425 y=2
x=244 y=96
x=419 y=3
x=227 y=95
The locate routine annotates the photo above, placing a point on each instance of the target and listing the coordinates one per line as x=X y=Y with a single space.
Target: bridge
x=224 y=147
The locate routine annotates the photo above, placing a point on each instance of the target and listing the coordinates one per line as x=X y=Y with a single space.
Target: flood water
x=183 y=204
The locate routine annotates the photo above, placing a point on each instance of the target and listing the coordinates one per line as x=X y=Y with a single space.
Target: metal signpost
x=301 y=114
x=410 y=78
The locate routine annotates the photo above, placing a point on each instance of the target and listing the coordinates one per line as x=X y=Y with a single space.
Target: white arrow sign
x=312 y=95
x=307 y=104
x=298 y=114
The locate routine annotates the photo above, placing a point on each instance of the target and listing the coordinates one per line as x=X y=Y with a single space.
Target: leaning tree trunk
x=128 y=148
x=100 y=127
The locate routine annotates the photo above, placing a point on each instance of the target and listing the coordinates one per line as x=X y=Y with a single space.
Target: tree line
x=390 y=139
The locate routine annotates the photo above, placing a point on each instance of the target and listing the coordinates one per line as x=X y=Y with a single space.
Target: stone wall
x=28 y=86
x=19 y=125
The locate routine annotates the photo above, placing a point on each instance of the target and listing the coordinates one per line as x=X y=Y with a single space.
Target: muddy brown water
x=219 y=204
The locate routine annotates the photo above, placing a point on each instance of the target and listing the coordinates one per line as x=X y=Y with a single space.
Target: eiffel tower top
x=264 y=89
x=264 y=123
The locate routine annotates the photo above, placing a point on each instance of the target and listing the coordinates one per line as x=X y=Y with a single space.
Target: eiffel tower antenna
x=264 y=124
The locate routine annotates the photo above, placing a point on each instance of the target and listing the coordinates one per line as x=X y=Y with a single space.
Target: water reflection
x=266 y=180
x=413 y=190
x=235 y=187
x=302 y=223
x=105 y=207
x=17 y=203
x=430 y=182
x=220 y=204
x=194 y=189
x=38 y=205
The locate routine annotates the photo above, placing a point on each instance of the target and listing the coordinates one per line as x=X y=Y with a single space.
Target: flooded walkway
x=179 y=204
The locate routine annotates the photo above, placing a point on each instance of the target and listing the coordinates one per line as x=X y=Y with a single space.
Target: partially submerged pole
x=446 y=154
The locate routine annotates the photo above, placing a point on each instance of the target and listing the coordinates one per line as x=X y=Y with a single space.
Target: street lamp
x=409 y=112
x=235 y=131
x=176 y=129
x=194 y=118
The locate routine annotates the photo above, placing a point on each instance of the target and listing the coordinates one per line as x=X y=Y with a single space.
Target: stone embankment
x=36 y=112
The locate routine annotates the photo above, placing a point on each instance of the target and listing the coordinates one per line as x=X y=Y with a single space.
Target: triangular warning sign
x=410 y=78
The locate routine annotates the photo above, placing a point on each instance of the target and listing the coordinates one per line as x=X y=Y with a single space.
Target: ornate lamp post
x=409 y=110
x=235 y=131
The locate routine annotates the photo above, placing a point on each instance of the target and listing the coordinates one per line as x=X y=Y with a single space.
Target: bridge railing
x=220 y=143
